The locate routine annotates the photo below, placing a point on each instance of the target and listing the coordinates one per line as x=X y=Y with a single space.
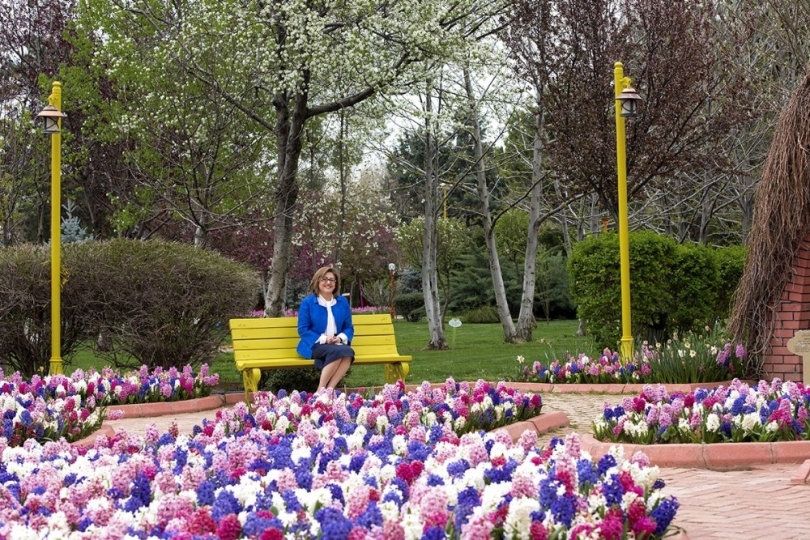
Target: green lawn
x=477 y=351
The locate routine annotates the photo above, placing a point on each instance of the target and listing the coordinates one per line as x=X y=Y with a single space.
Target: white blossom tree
x=295 y=60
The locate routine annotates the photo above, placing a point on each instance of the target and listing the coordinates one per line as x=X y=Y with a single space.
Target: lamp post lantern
x=626 y=100
x=391 y=268
x=51 y=117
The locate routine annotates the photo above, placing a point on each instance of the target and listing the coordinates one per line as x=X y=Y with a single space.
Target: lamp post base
x=56 y=367
x=626 y=348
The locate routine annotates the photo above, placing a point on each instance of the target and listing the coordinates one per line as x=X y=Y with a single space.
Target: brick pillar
x=793 y=314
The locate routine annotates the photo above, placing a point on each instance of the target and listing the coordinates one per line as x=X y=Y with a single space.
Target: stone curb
x=90 y=440
x=144 y=410
x=543 y=423
x=716 y=456
x=147 y=410
x=574 y=388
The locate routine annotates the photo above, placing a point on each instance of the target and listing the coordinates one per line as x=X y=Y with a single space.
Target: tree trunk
x=526 y=321
x=747 y=206
x=289 y=131
x=567 y=243
x=201 y=235
x=430 y=273
x=342 y=172
x=489 y=232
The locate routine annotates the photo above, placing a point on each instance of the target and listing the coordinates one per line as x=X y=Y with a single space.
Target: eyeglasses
x=328 y=280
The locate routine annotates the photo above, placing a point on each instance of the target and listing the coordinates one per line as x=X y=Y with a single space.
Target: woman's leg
x=327 y=373
x=341 y=367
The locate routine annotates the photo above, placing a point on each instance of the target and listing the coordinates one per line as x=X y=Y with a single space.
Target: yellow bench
x=269 y=343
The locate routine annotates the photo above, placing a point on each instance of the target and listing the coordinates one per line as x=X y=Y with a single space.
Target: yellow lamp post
x=51 y=117
x=626 y=98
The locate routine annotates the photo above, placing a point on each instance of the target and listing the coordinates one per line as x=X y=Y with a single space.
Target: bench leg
x=250 y=380
x=395 y=372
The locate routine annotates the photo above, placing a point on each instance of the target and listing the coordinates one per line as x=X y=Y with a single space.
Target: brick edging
x=715 y=456
x=90 y=440
x=144 y=410
x=542 y=423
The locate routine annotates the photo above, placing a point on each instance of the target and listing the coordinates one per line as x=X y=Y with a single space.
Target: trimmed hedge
x=673 y=287
x=162 y=304
x=410 y=305
x=25 y=311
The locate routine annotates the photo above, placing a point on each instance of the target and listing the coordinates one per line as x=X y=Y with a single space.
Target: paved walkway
x=760 y=502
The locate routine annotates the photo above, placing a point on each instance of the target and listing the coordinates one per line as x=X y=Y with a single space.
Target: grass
x=477 y=351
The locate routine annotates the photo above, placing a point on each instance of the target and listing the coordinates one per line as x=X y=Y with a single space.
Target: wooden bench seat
x=269 y=343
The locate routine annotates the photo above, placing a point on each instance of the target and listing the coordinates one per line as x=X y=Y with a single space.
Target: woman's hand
x=333 y=340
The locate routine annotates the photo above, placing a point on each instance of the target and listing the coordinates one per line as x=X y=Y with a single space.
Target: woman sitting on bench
x=325 y=327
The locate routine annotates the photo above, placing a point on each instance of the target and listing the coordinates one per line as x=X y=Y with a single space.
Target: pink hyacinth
x=573 y=448
x=433 y=507
x=393 y=530
x=477 y=526
x=418 y=433
x=528 y=440
x=357 y=503
x=174 y=507
x=523 y=486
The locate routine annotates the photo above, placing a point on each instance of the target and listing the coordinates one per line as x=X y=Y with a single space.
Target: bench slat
x=265 y=332
x=241 y=355
x=292 y=332
x=300 y=362
x=273 y=342
x=382 y=319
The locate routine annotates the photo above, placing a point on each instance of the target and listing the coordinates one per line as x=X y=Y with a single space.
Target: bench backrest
x=277 y=337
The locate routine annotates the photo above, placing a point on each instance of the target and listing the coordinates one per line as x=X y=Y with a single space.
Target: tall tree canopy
x=282 y=63
x=675 y=56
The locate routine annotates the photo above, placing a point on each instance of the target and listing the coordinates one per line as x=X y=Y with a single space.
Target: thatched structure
x=780 y=228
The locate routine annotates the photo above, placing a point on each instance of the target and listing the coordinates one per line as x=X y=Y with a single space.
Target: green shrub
x=300 y=379
x=693 y=282
x=155 y=303
x=596 y=282
x=25 y=311
x=672 y=287
x=411 y=305
x=552 y=299
x=482 y=315
x=161 y=303
x=730 y=261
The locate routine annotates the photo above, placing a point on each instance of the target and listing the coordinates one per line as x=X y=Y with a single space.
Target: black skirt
x=327 y=353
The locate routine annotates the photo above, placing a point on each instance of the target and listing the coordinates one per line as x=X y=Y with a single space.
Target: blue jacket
x=312 y=322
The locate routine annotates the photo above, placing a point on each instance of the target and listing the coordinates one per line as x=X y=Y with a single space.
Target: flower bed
x=695 y=359
x=735 y=413
x=159 y=385
x=48 y=408
x=396 y=466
